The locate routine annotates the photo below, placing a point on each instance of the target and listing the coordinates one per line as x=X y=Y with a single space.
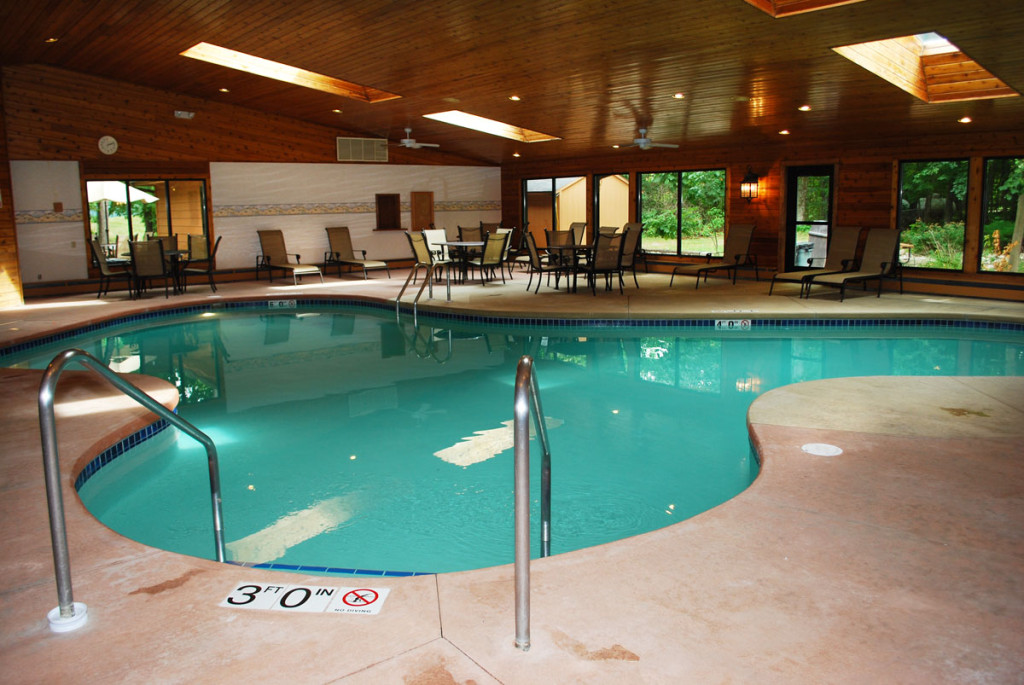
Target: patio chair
x=841 y=256
x=879 y=260
x=541 y=264
x=342 y=253
x=492 y=258
x=148 y=264
x=631 y=248
x=606 y=259
x=735 y=255
x=276 y=256
x=200 y=260
x=422 y=253
x=434 y=237
x=108 y=274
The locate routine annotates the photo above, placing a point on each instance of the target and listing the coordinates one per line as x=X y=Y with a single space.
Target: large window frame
x=933 y=228
x=151 y=206
x=1001 y=229
x=697 y=217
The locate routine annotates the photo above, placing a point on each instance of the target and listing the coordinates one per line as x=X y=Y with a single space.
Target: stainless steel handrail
x=527 y=396
x=51 y=463
x=428 y=281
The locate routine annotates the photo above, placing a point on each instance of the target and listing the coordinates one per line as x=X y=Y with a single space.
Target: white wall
x=303 y=199
x=300 y=199
x=51 y=244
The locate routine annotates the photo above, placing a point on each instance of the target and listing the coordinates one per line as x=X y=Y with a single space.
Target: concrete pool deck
x=900 y=560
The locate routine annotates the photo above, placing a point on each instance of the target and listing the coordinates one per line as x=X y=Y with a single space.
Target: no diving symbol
x=360 y=598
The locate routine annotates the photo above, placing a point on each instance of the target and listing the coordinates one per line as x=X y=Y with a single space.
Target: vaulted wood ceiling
x=588 y=71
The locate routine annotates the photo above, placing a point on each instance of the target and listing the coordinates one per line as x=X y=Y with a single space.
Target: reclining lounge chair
x=276 y=256
x=735 y=255
x=841 y=256
x=879 y=260
x=342 y=253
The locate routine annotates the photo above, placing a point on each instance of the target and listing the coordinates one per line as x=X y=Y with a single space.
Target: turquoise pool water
x=348 y=441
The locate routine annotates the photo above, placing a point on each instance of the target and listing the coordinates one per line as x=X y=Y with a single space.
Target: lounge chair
x=879 y=260
x=200 y=260
x=107 y=274
x=276 y=256
x=735 y=255
x=342 y=253
x=841 y=256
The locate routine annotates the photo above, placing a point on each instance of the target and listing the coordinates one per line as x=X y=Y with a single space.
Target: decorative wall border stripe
x=294 y=209
x=48 y=216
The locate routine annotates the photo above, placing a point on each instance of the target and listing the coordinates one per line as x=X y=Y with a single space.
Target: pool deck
x=900 y=560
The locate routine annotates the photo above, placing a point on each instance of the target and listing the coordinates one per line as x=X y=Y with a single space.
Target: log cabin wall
x=10 y=274
x=865 y=192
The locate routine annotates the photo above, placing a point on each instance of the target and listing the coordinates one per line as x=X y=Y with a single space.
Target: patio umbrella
x=114 y=191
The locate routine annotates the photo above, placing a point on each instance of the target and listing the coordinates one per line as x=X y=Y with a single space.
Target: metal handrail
x=51 y=465
x=428 y=281
x=527 y=396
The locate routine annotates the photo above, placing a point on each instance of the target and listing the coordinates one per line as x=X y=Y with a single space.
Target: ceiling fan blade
x=428 y=145
x=669 y=145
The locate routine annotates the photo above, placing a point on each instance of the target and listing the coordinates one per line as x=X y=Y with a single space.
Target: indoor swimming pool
x=351 y=441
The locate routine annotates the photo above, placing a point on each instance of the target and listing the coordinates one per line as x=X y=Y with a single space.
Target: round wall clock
x=108 y=145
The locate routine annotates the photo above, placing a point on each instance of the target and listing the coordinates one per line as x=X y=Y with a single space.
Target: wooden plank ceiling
x=588 y=72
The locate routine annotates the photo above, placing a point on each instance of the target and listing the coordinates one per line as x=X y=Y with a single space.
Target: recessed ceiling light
x=615 y=147
x=51 y=40
x=336 y=111
x=214 y=54
x=804 y=108
x=495 y=128
x=514 y=98
x=678 y=96
x=515 y=154
x=784 y=132
x=965 y=120
x=224 y=90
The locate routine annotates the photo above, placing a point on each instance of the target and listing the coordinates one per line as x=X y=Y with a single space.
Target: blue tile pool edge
x=348 y=303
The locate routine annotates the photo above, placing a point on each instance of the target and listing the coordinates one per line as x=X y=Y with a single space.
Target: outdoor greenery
x=933 y=203
x=688 y=204
x=1003 y=220
x=933 y=213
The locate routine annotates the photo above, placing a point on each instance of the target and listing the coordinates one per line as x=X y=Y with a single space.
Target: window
x=683 y=212
x=125 y=210
x=612 y=203
x=554 y=204
x=933 y=203
x=1002 y=215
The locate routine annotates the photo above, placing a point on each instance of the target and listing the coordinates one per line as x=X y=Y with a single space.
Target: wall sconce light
x=748 y=186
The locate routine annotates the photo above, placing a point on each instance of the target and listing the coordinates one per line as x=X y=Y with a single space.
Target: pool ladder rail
x=527 y=397
x=428 y=282
x=70 y=615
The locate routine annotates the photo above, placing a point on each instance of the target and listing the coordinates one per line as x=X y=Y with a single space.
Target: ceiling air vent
x=362 y=149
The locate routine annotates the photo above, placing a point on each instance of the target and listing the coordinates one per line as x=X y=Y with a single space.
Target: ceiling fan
x=645 y=143
x=411 y=143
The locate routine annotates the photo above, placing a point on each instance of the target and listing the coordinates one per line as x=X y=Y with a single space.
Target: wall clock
x=108 y=145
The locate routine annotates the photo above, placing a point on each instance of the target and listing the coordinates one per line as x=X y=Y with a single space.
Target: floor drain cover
x=821 y=449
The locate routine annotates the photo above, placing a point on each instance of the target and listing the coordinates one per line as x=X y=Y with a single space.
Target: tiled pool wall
x=557 y=323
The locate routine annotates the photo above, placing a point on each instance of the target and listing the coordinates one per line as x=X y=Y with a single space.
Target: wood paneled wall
x=865 y=183
x=10 y=274
x=56 y=114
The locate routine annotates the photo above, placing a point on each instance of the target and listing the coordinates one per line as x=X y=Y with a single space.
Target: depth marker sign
x=306 y=598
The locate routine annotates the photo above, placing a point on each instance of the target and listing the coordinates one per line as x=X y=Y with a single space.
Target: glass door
x=808 y=215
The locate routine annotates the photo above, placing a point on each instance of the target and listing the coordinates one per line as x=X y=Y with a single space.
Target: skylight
x=928 y=67
x=495 y=128
x=251 y=64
